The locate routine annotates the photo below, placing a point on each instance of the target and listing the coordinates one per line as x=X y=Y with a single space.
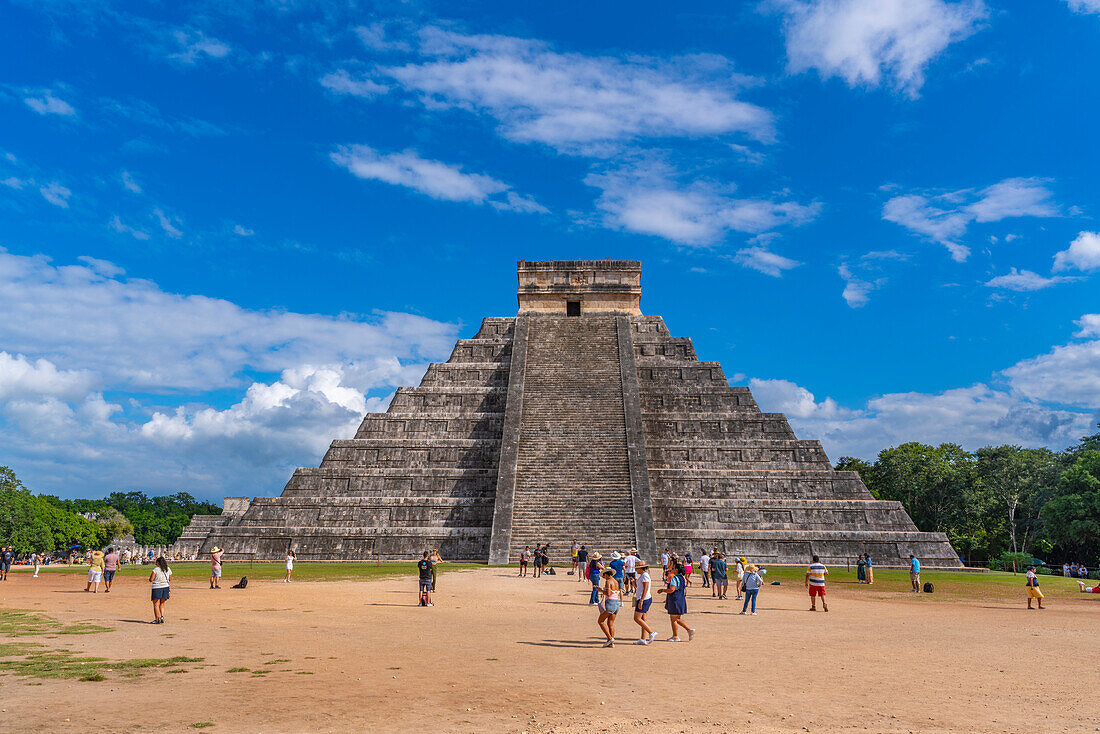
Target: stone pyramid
x=579 y=418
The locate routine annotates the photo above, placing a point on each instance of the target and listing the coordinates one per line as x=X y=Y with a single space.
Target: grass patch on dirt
x=950 y=586
x=202 y=724
x=238 y=670
x=65 y=664
x=22 y=622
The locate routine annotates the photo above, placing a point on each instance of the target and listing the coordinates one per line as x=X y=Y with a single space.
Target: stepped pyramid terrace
x=579 y=417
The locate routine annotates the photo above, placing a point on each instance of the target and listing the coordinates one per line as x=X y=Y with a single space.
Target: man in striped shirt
x=815 y=582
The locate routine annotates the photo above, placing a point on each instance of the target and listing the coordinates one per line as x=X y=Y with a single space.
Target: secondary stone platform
x=579 y=418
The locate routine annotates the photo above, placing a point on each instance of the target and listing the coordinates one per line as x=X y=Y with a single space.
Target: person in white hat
x=216 y=567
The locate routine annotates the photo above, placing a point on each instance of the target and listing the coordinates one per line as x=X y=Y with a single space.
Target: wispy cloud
x=56 y=194
x=129 y=183
x=575 y=102
x=648 y=198
x=875 y=42
x=241 y=231
x=117 y=225
x=190 y=46
x=167 y=224
x=45 y=103
x=1084 y=6
x=945 y=217
x=765 y=261
x=341 y=82
x=1025 y=280
x=439 y=180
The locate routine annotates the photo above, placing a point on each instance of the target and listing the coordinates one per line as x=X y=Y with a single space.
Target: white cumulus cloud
x=875 y=42
x=1083 y=253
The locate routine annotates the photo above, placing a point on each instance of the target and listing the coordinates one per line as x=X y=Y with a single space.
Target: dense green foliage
x=45 y=523
x=996 y=502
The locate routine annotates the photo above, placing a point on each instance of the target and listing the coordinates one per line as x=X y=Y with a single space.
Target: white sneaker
x=673 y=639
x=753 y=614
x=691 y=635
x=609 y=643
x=652 y=636
x=642 y=641
x=745 y=612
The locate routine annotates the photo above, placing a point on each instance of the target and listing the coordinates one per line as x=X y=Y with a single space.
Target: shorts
x=611 y=606
x=643 y=605
x=523 y=564
x=5 y=567
x=94 y=576
x=161 y=594
x=109 y=576
x=632 y=575
x=817 y=591
x=425 y=585
x=216 y=572
x=1034 y=593
x=289 y=567
x=720 y=582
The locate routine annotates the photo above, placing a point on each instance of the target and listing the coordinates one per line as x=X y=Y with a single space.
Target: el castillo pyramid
x=577 y=418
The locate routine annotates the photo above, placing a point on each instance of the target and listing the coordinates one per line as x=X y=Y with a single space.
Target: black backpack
x=928 y=587
x=551 y=571
x=241 y=584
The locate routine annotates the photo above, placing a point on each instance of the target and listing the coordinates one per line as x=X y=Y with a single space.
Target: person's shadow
x=580 y=644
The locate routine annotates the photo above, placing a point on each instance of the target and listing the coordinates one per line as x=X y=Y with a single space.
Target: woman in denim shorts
x=610 y=606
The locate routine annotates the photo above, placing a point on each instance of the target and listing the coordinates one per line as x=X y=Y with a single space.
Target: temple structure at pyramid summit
x=577 y=418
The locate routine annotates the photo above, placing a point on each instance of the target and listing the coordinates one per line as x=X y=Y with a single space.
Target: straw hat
x=641 y=566
x=616 y=555
x=97 y=554
x=742 y=559
x=633 y=551
x=215 y=549
x=751 y=568
x=596 y=556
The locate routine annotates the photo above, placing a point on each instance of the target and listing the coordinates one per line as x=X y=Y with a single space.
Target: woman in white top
x=160 y=578
x=289 y=566
x=643 y=597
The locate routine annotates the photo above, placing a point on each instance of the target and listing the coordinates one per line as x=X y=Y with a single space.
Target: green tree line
x=31 y=523
x=999 y=502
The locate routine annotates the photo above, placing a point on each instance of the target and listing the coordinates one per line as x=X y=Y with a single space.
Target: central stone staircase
x=572 y=474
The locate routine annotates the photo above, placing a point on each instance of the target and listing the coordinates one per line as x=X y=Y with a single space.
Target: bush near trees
x=999 y=502
x=34 y=523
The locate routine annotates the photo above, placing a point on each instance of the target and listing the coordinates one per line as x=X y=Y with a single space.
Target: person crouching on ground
x=216 y=567
x=676 y=599
x=1032 y=584
x=161 y=577
x=643 y=598
x=753 y=582
x=425 y=568
x=612 y=594
x=595 y=566
x=95 y=572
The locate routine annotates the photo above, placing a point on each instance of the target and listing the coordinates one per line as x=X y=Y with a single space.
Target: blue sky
x=228 y=233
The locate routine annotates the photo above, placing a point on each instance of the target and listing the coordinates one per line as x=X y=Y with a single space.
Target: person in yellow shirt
x=95 y=572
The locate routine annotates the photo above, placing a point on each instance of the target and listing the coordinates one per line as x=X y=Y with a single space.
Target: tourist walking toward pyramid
x=753 y=582
x=643 y=598
x=110 y=566
x=815 y=583
x=582 y=563
x=740 y=569
x=524 y=558
x=676 y=599
x=704 y=568
x=95 y=572
x=612 y=600
x=630 y=570
x=719 y=581
x=424 y=568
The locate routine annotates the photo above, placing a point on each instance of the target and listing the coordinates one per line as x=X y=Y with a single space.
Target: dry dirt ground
x=499 y=653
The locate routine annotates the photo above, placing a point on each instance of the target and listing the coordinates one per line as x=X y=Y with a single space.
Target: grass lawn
x=949 y=585
x=232 y=571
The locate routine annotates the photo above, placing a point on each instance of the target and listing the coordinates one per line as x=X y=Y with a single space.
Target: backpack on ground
x=551 y=571
x=241 y=584
x=928 y=587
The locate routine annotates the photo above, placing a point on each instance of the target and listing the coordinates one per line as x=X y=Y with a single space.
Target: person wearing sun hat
x=216 y=567
x=95 y=572
x=643 y=598
x=753 y=581
x=595 y=565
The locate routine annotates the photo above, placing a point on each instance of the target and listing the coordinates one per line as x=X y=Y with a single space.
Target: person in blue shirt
x=914 y=573
x=594 y=567
x=753 y=582
x=617 y=564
